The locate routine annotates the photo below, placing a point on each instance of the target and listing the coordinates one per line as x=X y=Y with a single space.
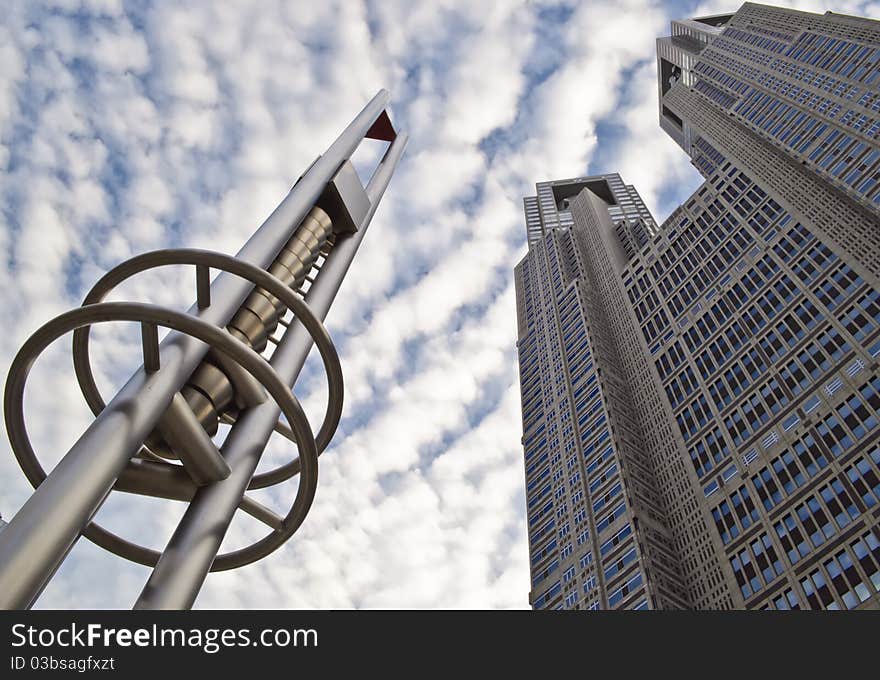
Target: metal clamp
x=150 y=317
x=260 y=278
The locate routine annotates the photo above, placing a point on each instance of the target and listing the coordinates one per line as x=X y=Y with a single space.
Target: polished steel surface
x=251 y=361
x=187 y=559
x=228 y=346
x=154 y=437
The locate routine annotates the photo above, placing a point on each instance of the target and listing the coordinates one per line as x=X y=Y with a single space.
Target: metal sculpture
x=154 y=437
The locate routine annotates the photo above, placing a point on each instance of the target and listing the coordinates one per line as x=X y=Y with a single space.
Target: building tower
x=232 y=359
x=598 y=533
x=746 y=333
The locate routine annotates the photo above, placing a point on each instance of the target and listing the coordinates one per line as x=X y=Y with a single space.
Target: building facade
x=700 y=400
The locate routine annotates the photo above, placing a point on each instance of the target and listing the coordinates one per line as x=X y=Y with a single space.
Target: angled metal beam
x=38 y=538
x=183 y=567
x=187 y=438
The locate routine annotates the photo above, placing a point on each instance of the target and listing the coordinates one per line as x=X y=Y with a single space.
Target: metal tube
x=187 y=559
x=198 y=453
x=44 y=530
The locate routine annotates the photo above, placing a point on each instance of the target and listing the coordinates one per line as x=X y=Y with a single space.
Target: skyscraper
x=595 y=543
x=806 y=85
x=725 y=452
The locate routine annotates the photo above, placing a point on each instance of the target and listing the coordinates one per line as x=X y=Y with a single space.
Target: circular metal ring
x=260 y=278
x=216 y=337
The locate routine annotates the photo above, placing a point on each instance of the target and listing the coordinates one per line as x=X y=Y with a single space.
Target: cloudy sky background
x=131 y=126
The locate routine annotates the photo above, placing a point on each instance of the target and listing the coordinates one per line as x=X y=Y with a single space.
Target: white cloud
x=173 y=125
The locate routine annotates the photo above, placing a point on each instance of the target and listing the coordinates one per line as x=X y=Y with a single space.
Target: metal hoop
x=260 y=278
x=216 y=337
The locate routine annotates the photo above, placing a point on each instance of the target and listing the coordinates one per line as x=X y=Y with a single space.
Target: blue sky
x=130 y=126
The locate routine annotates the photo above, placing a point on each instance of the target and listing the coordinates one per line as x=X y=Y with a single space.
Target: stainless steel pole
x=187 y=559
x=38 y=538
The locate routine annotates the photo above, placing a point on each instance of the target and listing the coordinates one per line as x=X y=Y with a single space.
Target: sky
x=132 y=126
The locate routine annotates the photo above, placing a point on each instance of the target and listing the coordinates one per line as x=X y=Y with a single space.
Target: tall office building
x=700 y=406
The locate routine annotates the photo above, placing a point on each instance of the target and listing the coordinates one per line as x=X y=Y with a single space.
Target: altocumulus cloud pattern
x=130 y=126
